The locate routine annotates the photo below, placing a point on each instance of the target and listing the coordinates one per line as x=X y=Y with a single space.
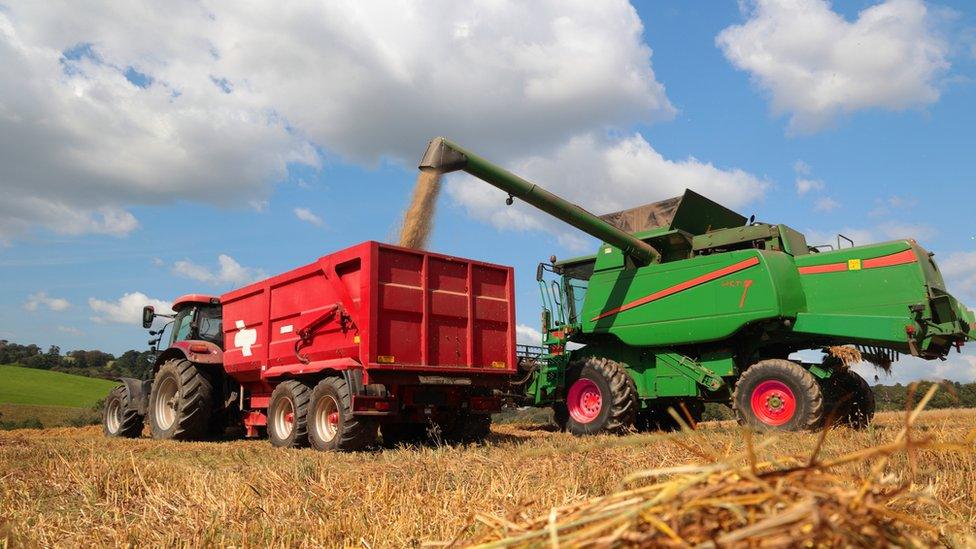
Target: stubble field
x=73 y=487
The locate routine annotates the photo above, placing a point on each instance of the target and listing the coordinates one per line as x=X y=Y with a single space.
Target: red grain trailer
x=373 y=336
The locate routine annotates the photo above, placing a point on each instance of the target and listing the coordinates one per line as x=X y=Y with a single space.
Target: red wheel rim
x=584 y=401
x=773 y=402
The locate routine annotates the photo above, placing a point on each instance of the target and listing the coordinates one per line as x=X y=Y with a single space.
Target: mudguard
x=138 y=392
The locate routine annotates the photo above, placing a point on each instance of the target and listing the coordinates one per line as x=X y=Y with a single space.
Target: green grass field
x=44 y=388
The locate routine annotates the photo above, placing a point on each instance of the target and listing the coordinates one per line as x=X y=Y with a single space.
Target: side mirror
x=148 y=315
x=538 y=273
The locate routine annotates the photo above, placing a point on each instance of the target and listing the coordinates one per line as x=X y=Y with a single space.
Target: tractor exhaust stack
x=444 y=156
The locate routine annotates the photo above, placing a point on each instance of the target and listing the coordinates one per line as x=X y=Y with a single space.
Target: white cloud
x=956 y=367
x=527 y=335
x=603 y=175
x=959 y=270
x=816 y=66
x=211 y=113
x=41 y=299
x=306 y=215
x=126 y=309
x=228 y=273
x=825 y=204
x=801 y=168
x=893 y=230
x=803 y=186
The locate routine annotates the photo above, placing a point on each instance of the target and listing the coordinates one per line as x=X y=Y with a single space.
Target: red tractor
x=371 y=339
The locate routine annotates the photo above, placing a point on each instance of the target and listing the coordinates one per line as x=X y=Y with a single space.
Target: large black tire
x=331 y=424
x=852 y=400
x=122 y=417
x=467 y=428
x=615 y=409
x=657 y=418
x=288 y=414
x=181 y=402
x=787 y=397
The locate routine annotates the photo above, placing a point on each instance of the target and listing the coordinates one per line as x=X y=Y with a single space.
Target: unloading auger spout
x=444 y=156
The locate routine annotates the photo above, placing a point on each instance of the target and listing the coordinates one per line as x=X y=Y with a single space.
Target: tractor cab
x=195 y=317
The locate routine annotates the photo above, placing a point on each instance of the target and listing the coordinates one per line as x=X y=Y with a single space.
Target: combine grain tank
x=371 y=337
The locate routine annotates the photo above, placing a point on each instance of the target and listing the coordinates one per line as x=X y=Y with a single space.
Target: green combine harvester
x=688 y=302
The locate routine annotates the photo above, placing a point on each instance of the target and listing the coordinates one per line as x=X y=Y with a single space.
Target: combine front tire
x=122 y=418
x=331 y=424
x=778 y=395
x=601 y=398
x=181 y=402
x=287 y=414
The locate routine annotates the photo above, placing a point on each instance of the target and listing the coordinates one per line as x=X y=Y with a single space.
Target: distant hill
x=43 y=387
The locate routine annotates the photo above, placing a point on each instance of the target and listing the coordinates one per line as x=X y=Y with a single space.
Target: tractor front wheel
x=601 y=398
x=778 y=395
x=122 y=418
x=331 y=424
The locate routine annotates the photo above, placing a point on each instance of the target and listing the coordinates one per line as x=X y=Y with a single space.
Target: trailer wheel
x=855 y=403
x=778 y=395
x=181 y=402
x=331 y=424
x=122 y=417
x=287 y=414
x=601 y=398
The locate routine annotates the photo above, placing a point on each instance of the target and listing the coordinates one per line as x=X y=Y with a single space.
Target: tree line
x=93 y=363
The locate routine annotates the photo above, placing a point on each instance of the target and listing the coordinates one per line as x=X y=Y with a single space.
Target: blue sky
x=150 y=207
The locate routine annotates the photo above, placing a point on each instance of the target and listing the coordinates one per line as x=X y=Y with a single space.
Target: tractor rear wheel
x=854 y=400
x=287 y=414
x=331 y=424
x=181 y=401
x=122 y=417
x=779 y=395
x=601 y=398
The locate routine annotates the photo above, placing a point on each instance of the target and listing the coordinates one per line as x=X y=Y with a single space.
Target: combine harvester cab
x=371 y=337
x=688 y=302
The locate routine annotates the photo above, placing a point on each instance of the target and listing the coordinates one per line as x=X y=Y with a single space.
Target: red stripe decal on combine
x=899 y=258
x=682 y=286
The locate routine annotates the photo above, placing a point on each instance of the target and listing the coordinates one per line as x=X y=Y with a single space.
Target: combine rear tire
x=122 y=418
x=854 y=399
x=601 y=398
x=287 y=414
x=181 y=402
x=779 y=395
x=331 y=424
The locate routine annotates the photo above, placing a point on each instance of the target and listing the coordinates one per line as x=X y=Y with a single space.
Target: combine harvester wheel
x=779 y=395
x=601 y=398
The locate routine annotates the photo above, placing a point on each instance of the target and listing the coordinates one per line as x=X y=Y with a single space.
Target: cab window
x=210 y=325
x=181 y=325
